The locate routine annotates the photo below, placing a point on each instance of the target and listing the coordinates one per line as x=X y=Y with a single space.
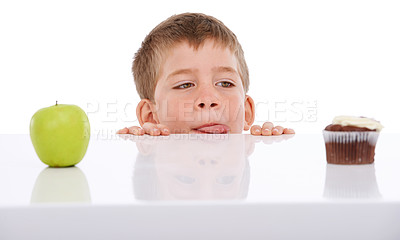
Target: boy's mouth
x=212 y=128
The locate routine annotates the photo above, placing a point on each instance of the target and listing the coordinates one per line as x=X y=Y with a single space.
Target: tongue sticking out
x=214 y=129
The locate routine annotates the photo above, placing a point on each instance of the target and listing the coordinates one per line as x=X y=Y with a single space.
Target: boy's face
x=200 y=91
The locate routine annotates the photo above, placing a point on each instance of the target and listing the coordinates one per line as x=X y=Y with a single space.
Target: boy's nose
x=207 y=98
x=206 y=105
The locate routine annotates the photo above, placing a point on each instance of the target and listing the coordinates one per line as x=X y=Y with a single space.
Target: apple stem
x=56 y=103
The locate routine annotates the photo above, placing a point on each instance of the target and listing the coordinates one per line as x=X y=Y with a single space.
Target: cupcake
x=351 y=140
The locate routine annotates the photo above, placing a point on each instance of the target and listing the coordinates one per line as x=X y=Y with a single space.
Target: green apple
x=60 y=134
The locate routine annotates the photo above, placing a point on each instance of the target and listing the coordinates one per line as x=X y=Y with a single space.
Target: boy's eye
x=225 y=84
x=185 y=85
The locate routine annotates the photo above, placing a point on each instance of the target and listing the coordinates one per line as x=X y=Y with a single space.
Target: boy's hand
x=268 y=129
x=148 y=128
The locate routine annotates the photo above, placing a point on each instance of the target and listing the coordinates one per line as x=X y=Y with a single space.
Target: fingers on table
x=163 y=129
x=288 y=131
x=135 y=130
x=268 y=129
x=148 y=128
x=131 y=130
x=155 y=129
x=123 y=131
x=278 y=130
x=265 y=130
x=255 y=130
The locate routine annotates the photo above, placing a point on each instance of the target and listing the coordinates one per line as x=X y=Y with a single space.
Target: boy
x=192 y=77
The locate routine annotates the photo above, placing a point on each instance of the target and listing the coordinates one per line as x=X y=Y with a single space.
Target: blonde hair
x=194 y=28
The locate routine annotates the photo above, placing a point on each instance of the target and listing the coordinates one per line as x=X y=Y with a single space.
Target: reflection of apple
x=61 y=186
x=60 y=134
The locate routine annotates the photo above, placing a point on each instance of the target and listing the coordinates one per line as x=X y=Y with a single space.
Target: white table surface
x=199 y=187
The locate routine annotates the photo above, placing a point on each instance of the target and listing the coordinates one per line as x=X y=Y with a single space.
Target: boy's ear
x=249 y=112
x=145 y=112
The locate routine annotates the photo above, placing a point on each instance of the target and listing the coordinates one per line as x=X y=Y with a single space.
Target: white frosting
x=358 y=122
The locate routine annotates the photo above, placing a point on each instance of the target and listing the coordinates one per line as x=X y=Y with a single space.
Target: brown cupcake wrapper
x=350 y=147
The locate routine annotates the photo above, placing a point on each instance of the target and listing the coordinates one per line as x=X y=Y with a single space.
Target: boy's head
x=190 y=72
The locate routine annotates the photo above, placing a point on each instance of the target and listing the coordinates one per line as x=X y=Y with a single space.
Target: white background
x=309 y=60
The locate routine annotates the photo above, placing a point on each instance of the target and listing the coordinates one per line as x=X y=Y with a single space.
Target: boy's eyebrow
x=225 y=69
x=180 y=71
x=214 y=69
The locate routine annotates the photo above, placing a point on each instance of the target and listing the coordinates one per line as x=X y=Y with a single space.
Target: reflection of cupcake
x=351 y=140
x=351 y=182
